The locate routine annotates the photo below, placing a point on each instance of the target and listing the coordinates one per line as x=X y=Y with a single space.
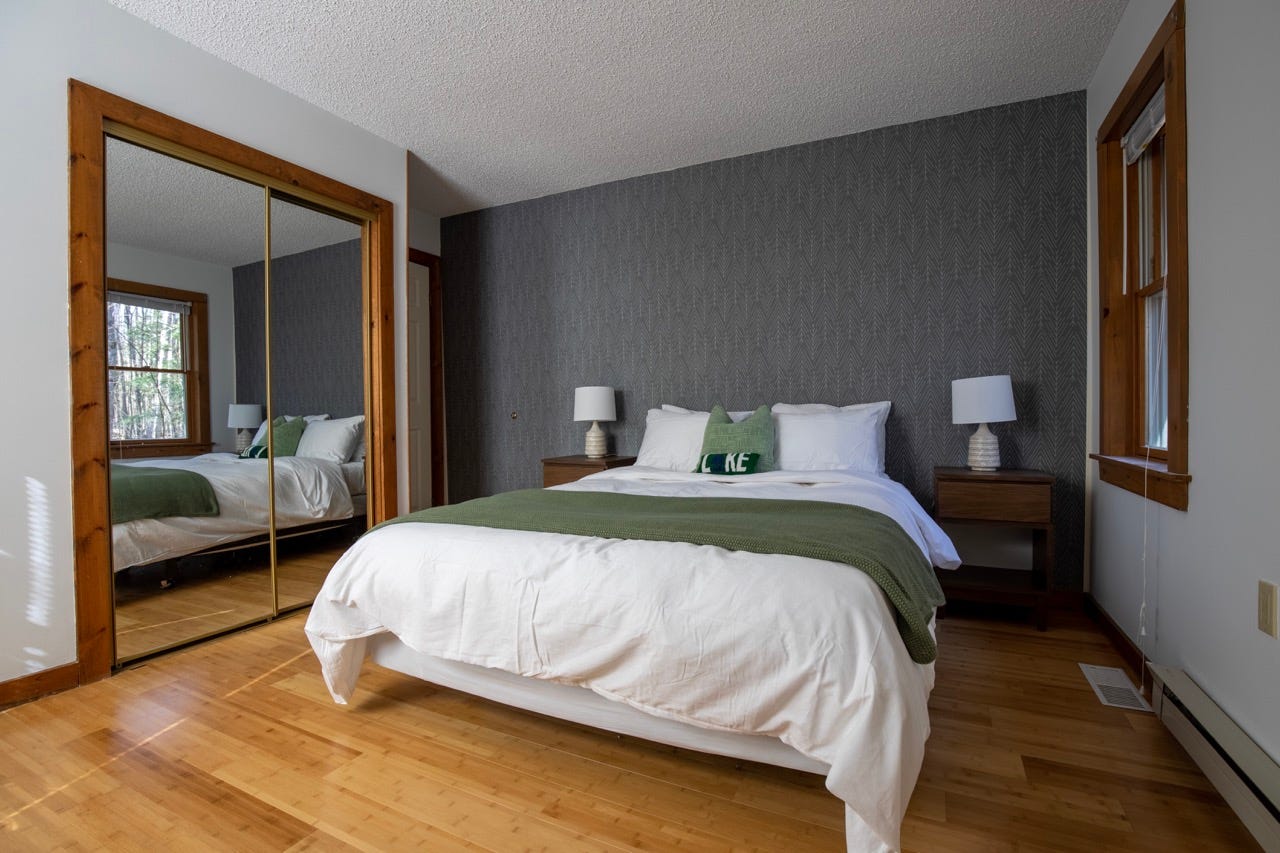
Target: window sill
x=1139 y=476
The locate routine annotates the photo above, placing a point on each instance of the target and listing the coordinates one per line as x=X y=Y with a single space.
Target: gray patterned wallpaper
x=317 y=347
x=875 y=266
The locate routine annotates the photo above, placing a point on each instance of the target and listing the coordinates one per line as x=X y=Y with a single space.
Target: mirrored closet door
x=181 y=503
x=316 y=342
x=236 y=373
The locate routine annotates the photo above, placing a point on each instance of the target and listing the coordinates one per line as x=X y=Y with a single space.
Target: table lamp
x=243 y=418
x=594 y=403
x=982 y=400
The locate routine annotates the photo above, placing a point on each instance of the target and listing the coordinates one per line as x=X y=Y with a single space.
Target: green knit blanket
x=861 y=538
x=142 y=492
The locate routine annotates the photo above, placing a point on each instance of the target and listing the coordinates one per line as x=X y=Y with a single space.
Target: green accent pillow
x=753 y=436
x=285 y=433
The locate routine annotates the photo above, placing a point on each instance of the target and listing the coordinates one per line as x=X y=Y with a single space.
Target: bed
x=308 y=492
x=778 y=658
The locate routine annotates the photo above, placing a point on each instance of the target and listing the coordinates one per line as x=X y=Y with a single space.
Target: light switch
x=1267 y=609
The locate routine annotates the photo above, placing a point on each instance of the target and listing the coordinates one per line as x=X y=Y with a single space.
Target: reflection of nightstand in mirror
x=1000 y=499
x=558 y=470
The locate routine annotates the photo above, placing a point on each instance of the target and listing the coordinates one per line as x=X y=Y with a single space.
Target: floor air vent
x=1114 y=688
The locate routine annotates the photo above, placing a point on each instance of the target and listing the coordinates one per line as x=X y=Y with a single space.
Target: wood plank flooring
x=235 y=745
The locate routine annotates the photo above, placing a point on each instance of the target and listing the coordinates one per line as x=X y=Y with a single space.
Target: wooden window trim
x=1164 y=476
x=1152 y=478
x=196 y=340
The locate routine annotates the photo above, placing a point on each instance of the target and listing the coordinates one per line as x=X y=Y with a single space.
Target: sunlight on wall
x=40 y=566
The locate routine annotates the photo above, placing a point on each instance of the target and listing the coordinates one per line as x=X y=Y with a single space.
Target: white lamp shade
x=593 y=403
x=244 y=415
x=982 y=400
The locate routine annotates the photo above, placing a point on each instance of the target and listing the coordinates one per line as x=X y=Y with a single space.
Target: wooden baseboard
x=38 y=684
x=1066 y=599
x=1127 y=649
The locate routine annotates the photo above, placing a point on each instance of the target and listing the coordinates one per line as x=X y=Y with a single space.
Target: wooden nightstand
x=1004 y=498
x=558 y=470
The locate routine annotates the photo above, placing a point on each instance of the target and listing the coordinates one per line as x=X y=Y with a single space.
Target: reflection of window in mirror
x=156 y=367
x=174 y=233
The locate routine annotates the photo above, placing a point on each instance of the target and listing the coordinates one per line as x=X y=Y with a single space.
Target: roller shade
x=152 y=302
x=1144 y=128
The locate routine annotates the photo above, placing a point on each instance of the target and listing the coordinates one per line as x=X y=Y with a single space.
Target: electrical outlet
x=1267 y=609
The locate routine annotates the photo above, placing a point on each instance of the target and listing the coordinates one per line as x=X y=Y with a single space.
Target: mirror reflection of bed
x=206 y=342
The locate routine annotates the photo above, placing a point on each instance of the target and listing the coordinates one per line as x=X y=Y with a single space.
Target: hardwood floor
x=235 y=745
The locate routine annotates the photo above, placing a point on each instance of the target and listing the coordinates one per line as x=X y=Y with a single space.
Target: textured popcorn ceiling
x=505 y=101
x=169 y=206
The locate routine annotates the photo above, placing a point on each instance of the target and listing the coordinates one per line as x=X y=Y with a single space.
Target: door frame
x=435 y=322
x=92 y=114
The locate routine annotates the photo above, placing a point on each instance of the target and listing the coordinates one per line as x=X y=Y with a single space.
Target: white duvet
x=800 y=649
x=307 y=491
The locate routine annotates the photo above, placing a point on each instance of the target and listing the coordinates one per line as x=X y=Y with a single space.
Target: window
x=157 y=344
x=1146 y=238
x=1142 y=242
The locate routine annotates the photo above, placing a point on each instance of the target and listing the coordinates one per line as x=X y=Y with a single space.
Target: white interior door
x=419 y=375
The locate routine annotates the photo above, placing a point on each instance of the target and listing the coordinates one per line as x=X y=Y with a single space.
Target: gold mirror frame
x=92 y=115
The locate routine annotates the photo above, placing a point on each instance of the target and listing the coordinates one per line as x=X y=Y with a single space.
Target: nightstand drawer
x=995 y=501
x=558 y=470
x=558 y=475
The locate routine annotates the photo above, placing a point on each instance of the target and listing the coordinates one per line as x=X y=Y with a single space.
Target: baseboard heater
x=1246 y=777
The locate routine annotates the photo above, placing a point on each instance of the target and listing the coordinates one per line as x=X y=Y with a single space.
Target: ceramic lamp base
x=243 y=437
x=595 y=441
x=984 y=450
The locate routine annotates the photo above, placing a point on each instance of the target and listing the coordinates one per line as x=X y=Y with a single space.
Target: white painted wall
x=1204 y=564
x=134 y=264
x=424 y=231
x=42 y=43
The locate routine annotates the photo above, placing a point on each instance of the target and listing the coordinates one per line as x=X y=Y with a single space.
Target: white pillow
x=672 y=440
x=819 y=437
x=260 y=437
x=879 y=410
x=733 y=416
x=332 y=440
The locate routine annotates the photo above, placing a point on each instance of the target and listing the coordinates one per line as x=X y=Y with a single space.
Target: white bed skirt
x=580 y=705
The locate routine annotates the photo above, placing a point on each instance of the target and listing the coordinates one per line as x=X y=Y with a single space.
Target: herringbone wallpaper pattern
x=876 y=266
x=317 y=343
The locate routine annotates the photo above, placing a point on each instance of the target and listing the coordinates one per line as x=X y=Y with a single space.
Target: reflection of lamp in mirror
x=594 y=403
x=982 y=400
x=244 y=418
